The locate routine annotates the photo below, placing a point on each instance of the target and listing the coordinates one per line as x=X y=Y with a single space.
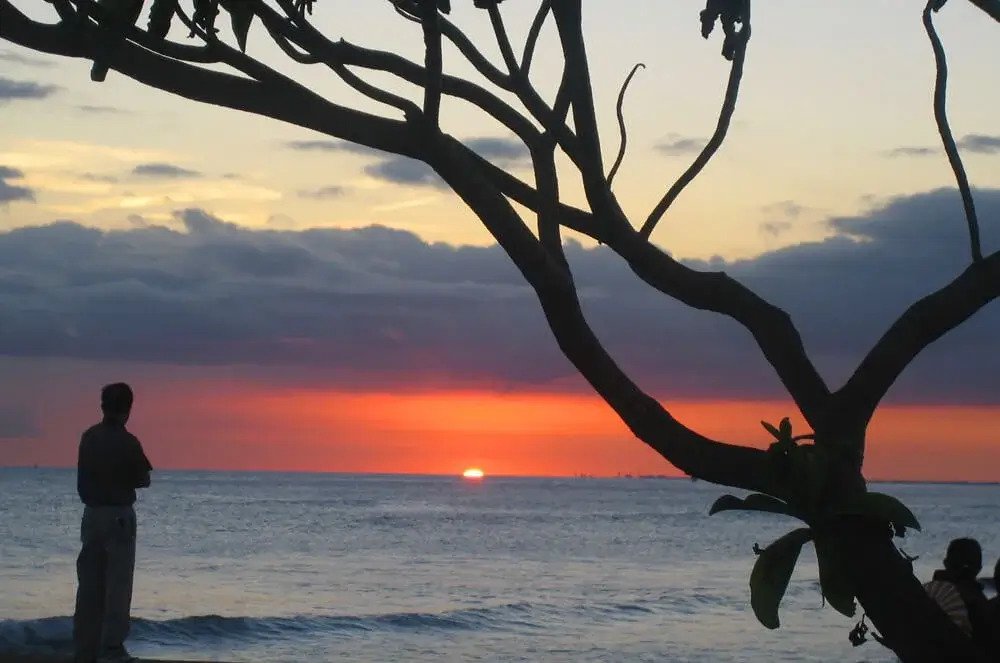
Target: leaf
x=834 y=577
x=771 y=429
x=241 y=14
x=785 y=427
x=771 y=573
x=753 y=502
x=885 y=507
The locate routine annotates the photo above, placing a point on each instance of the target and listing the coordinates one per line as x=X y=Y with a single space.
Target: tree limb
x=432 y=61
x=694 y=454
x=941 y=118
x=344 y=52
x=721 y=129
x=533 y=32
x=923 y=323
x=772 y=328
x=503 y=41
x=304 y=109
x=991 y=7
x=619 y=111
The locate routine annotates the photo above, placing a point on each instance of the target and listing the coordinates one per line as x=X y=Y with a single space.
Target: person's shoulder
x=93 y=431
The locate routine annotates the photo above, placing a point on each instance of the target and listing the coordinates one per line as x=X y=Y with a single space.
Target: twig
x=725 y=116
x=941 y=117
x=432 y=61
x=533 y=33
x=503 y=41
x=621 y=123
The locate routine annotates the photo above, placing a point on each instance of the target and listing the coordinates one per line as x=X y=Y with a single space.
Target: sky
x=283 y=301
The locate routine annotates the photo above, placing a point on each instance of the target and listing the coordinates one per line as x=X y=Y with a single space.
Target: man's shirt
x=111 y=466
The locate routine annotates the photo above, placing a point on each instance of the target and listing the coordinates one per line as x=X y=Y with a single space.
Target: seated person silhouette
x=958 y=593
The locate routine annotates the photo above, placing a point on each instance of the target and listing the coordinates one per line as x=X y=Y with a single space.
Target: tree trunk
x=908 y=620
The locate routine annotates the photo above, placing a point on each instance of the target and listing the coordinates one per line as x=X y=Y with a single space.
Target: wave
x=54 y=634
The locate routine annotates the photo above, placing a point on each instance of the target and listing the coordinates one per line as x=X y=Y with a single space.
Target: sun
x=473 y=473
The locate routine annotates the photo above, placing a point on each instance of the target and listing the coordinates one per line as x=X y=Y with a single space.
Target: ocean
x=327 y=567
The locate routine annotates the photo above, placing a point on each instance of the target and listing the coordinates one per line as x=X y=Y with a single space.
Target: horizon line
x=488 y=475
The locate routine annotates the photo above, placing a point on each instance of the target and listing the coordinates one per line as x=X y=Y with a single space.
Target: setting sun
x=473 y=473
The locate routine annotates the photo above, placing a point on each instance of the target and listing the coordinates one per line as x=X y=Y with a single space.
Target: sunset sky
x=282 y=301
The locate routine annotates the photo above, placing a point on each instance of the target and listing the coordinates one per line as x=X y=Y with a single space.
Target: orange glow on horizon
x=473 y=473
x=241 y=426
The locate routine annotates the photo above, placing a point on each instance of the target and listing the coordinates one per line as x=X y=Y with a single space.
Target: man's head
x=964 y=557
x=116 y=401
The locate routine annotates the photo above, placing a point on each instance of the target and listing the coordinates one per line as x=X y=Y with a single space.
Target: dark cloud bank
x=381 y=301
x=11 y=192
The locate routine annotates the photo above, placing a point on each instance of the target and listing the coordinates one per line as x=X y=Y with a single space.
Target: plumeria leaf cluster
x=808 y=466
x=729 y=14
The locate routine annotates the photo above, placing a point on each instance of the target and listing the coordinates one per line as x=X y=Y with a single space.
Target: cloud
x=96 y=177
x=17 y=423
x=980 y=143
x=402 y=170
x=785 y=208
x=676 y=145
x=775 y=228
x=166 y=170
x=975 y=143
x=10 y=193
x=383 y=306
x=912 y=152
x=11 y=90
x=100 y=110
x=324 y=193
x=17 y=58
x=502 y=151
x=332 y=146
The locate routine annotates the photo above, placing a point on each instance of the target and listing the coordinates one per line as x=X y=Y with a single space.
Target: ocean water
x=311 y=567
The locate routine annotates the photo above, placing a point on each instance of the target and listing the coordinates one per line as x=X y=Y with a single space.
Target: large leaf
x=771 y=429
x=834 y=577
x=752 y=502
x=884 y=507
x=771 y=573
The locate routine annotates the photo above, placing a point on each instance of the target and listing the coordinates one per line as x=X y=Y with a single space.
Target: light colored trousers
x=104 y=582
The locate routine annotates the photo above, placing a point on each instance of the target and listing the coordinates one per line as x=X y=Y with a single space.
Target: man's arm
x=139 y=465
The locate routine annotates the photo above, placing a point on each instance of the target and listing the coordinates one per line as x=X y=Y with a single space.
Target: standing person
x=111 y=466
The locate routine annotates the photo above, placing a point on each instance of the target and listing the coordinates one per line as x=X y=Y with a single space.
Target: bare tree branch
x=621 y=124
x=533 y=32
x=923 y=323
x=725 y=464
x=991 y=7
x=941 y=117
x=465 y=46
x=145 y=65
x=721 y=129
x=343 y=52
x=503 y=41
x=568 y=18
x=771 y=327
x=432 y=60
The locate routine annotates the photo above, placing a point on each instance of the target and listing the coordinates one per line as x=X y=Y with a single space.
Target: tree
x=821 y=481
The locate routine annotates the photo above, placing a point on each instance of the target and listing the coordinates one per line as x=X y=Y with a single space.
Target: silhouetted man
x=111 y=466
